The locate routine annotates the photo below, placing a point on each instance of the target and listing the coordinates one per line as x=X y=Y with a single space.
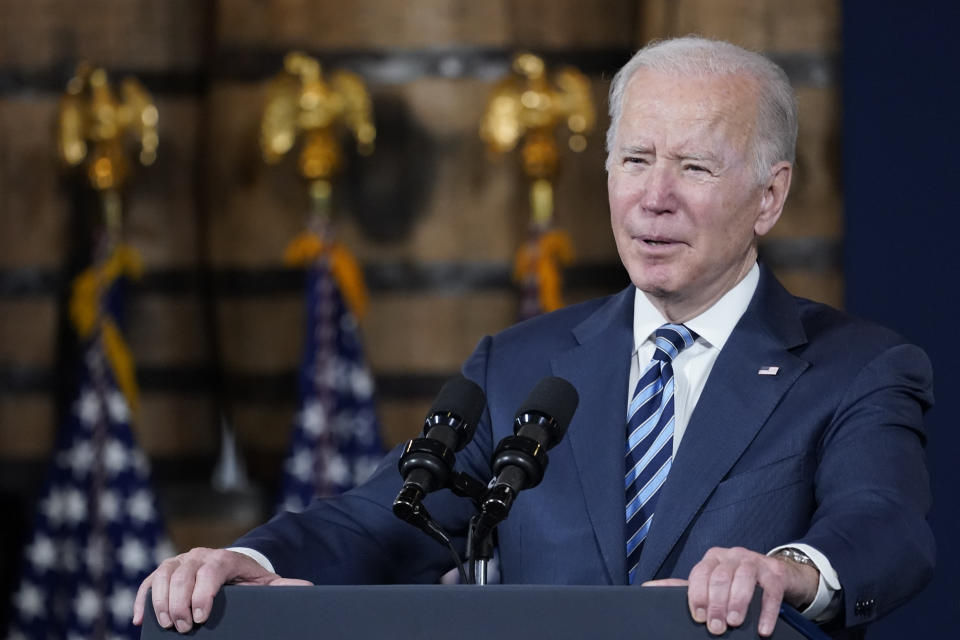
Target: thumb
x=289 y=582
x=666 y=582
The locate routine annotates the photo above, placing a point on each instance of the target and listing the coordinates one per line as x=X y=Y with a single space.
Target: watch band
x=795 y=555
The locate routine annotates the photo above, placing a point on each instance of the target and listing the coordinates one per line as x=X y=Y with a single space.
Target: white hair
x=776 y=137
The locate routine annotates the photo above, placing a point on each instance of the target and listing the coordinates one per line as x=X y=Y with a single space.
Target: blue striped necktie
x=650 y=437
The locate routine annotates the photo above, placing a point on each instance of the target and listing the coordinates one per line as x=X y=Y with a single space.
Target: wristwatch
x=795 y=555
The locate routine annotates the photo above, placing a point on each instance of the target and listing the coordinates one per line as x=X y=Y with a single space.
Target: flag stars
x=300 y=465
x=117 y=407
x=88 y=407
x=313 y=418
x=80 y=458
x=362 y=382
x=140 y=506
x=116 y=457
x=109 y=506
x=87 y=605
x=139 y=463
x=42 y=553
x=133 y=556
x=121 y=604
x=74 y=506
x=163 y=550
x=336 y=470
x=52 y=506
x=29 y=601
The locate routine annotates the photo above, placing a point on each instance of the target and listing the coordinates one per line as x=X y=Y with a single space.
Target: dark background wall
x=901 y=260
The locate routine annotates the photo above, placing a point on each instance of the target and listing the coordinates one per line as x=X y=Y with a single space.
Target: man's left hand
x=721 y=585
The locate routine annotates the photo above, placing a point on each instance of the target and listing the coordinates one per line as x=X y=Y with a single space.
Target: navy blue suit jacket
x=829 y=452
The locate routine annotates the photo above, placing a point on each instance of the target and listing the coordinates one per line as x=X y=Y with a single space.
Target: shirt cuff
x=826 y=604
x=257 y=557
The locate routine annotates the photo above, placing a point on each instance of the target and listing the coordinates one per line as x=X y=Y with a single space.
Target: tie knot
x=670 y=340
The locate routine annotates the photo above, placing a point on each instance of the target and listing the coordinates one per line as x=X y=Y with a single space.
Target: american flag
x=335 y=443
x=97 y=531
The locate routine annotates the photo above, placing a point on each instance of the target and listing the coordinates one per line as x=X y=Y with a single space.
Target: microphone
x=426 y=462
x=520 y=460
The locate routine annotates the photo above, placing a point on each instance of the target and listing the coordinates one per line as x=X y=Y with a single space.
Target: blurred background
x=216 y=325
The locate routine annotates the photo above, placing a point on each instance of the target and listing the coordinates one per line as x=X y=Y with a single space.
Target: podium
x=462 y=611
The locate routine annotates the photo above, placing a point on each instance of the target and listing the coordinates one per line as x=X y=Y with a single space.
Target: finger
x=141 y=600
x=290 y=582
x=666 y=582
x=741 y=592
x=770 y=607
x=182 y=582
x=718 y=588
x=698 y=593
x=217 y=568
x=161 y=590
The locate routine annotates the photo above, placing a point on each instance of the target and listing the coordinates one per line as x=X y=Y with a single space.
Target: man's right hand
x=184 y=586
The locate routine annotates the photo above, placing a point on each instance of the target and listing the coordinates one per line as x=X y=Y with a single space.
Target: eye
x=698 y=168
x=635 y=160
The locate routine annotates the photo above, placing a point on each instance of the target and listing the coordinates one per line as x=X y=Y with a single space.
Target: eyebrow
x=635 y=149
x=698 y=157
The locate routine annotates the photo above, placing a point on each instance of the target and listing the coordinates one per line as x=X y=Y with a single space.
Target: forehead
x=690 y=109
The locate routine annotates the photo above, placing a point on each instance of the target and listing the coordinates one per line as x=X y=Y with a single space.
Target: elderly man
x=729 y=435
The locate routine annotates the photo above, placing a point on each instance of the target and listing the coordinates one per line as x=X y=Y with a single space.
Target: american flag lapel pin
x=769 y=370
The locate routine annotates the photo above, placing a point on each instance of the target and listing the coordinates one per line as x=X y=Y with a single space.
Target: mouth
x=657 y=241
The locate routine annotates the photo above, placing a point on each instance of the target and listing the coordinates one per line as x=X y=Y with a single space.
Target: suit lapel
x=735 y=403
x=599 y=368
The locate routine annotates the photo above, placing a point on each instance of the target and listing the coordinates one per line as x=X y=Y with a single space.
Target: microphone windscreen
x=554 y=397
x=461 y=397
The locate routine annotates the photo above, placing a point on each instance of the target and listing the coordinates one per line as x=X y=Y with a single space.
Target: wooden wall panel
x=432 y=333
x=261 y=335
x=770 y=25
x=425 y=23
x=264 y=429
x=403 y=419
x=128 y=33
x=28 y=329
x=32 y=203
x=161 y=215
x=26 y=426
x=164 y=330
x=815 y=205
x=254 y=210
x=173 y=424
x=803 y=26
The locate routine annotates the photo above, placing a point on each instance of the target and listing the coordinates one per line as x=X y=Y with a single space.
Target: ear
x=773 y=197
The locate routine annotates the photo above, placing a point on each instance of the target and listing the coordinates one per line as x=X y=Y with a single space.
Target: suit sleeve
x=872 y=486
x=356 y=539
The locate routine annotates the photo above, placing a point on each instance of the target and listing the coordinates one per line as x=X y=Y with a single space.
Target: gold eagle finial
x=302 y=103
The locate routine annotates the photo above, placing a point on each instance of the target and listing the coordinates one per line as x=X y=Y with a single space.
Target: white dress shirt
x=691 y=368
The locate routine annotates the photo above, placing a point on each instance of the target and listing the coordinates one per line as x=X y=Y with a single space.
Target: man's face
x=685 y=202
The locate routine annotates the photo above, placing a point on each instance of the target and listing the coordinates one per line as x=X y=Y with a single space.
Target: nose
x=659 y=189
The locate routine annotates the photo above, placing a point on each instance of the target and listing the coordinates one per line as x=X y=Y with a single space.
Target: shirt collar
x=714 y=325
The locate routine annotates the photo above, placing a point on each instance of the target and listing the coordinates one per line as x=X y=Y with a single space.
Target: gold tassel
x=87 y=315
x=121 y=362
x=303 y=250
x=308 y=247
x=542 y=260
